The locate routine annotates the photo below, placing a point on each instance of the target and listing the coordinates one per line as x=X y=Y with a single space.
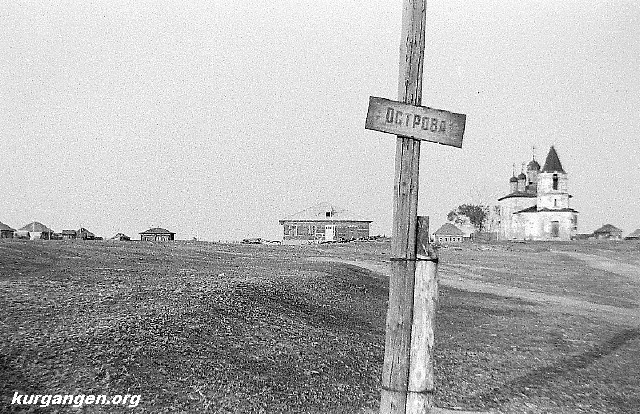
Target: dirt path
x=602 y=263
x=471 y=283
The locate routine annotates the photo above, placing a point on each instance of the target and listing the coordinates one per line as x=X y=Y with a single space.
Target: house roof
x=5 y=227
x=534 y=209
x=608 y=228
x=634 y=235
x=37 y=227
x=448 y=229
x=157 y=230
x=68 y=232
x=319 y=212
x=526 y=194
x=552 y=164
x=562 y=210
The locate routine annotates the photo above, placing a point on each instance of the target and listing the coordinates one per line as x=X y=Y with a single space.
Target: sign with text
x=419 y=122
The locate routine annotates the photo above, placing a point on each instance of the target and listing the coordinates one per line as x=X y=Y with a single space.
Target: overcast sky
x=216 y=118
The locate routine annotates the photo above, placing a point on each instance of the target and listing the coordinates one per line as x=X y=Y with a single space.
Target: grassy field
x=199 y=327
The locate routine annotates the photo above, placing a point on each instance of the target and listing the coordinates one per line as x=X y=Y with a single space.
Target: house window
x=555 y=181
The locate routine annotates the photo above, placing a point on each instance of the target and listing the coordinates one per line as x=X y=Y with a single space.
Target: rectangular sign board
x=419 y=122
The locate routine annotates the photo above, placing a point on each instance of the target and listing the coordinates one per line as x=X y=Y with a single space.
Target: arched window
x=555 y=181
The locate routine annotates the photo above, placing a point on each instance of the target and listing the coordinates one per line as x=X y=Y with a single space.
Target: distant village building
x=634 y=236
x=37 y=230
x=537 y=206
x=464 y=225
x=325 y=222
x=84 y=234
x=22 y=234
x=157 y=234
x=121 y=237
x=6 y=232
x=448 y=233
x=609 y=232
x=68 y=234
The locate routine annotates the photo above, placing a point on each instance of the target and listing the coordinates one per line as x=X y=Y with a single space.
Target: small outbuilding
x=634 y=236
x=609 y=232
x=37 y=230
x=448 y=233
x=157 y=234
x=6 y=232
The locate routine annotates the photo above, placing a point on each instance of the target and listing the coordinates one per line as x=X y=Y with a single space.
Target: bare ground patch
x=194 y=328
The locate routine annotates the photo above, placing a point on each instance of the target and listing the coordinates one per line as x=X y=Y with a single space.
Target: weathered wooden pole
x=425 y=296
x=395 y=371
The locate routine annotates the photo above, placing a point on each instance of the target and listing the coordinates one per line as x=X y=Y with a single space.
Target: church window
x=555 y=181
x=555 y=202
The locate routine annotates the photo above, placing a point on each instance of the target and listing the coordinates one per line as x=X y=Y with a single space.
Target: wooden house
x=84 y=234
x=68 y=234
x=609 y=232
x=6 y=232
x=37 y=230
x=157 y=234
x=325 y=222
x=448 y=233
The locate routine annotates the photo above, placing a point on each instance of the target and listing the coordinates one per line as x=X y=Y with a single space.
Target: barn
x=324 y=222
x=157 y=234
x=6 y=232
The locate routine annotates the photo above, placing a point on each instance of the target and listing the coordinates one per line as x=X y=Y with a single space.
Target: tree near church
x=470 y=213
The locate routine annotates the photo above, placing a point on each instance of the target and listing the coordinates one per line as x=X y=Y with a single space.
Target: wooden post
x=395 y=372
x=425 y=295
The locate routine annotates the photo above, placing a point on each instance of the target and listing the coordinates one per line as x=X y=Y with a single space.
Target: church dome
x=521 y=176
x=513 y=180
x=533 y=165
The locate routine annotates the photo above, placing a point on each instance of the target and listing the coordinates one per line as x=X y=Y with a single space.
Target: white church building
x=537 y=206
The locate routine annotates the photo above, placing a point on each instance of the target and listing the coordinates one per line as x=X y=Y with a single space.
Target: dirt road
x=466 y=280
